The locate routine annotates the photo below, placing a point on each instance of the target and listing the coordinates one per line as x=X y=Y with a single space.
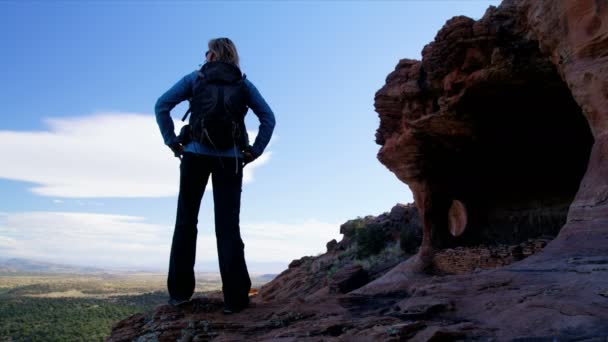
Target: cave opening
x=520 y=171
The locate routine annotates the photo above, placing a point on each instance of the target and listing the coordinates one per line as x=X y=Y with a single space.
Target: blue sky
x=86 y=178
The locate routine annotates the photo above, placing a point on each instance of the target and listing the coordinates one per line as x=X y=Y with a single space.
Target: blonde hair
x=224 y=50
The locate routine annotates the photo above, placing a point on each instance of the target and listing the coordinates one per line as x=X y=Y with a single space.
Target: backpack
x=218 y=106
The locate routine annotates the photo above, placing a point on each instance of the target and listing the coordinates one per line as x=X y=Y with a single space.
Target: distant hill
x=266 y=277
x=209 y=268
x=18 y=265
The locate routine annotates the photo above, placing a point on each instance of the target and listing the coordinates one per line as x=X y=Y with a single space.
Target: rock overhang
x=490 y=119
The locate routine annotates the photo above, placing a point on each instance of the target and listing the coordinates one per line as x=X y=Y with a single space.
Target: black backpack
x=218 y=106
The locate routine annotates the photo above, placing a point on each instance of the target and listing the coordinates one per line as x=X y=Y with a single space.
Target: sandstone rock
x=402 y=217
x=507 y=114
x=331 y=245
x=464 y=123
x=423 y=308
x=404 y=330
x=439 y=333
x=457 y=218
x=349 y=278
x=468 y=259
x=298 y=262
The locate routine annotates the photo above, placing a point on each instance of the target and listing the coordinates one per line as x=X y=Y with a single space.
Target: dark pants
x=194 y=174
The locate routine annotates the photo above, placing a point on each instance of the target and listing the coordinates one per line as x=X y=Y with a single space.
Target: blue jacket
x=182 y=91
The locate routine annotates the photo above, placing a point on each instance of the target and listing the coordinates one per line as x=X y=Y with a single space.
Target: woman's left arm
x=181 y=91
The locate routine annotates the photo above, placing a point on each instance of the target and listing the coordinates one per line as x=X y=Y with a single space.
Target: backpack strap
x=187 y=113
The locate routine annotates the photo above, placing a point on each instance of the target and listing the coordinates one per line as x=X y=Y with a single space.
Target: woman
x=199 y=160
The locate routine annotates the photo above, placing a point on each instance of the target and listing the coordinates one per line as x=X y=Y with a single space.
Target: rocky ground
x=567 y=300
x=502 y=128
x=338 y=296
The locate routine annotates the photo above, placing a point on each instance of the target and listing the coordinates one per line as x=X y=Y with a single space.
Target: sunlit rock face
x=507 y=115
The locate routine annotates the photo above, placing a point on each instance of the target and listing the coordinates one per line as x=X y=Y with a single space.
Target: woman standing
x=218 y=93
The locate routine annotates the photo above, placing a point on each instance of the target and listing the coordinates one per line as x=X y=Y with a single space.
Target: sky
x=85 y=178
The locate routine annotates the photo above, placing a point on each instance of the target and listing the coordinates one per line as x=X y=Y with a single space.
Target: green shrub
x=391 y=251
x=370 y=241
x=332 y=270
x=409 y=240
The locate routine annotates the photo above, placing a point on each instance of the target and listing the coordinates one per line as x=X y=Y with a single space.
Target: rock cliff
x=501 y=132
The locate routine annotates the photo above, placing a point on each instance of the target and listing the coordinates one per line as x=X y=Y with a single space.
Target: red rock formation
x=507 y=115
x=501 y=132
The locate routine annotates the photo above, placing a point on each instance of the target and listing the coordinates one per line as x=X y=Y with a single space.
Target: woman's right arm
x=265 y=115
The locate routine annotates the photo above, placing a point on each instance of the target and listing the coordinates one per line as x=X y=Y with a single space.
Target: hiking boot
x=178 y=302
x=230 y=309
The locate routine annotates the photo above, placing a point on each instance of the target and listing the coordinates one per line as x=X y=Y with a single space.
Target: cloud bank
x=122 y=241
x=101 y=155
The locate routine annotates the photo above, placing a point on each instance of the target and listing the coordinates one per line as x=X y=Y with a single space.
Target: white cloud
x=129 y=241
x=6 y=242
x=274 y=241
x=101 y=155
x=83 y=238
